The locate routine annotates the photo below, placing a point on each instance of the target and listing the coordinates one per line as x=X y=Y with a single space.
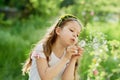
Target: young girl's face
x=69 y=33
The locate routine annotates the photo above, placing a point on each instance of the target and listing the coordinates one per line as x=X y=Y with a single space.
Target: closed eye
x=71 y=30
x=77 y=35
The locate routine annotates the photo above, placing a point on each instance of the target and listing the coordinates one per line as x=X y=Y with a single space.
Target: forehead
x=74 y=25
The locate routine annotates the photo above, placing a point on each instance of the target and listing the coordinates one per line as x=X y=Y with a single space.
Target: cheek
x=67 y=34
x=64 y=33
x=77 y=40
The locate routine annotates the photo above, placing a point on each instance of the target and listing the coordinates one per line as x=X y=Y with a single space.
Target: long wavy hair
x=49 y=40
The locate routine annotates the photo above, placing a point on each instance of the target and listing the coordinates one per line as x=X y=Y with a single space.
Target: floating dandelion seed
x=95 y=40
x=105 y=42
x=95 y=46
x=82 y=43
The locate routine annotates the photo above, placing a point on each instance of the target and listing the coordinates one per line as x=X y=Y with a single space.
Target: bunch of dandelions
x=95 y=46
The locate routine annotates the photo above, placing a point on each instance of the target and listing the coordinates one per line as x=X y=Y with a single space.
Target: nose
x=74 y=35
x=75 y=38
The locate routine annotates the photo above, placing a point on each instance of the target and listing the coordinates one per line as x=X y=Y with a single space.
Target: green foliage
x=12 y=48
x=18 y=34
x=86 y=10
x=66 y=3
x=16 y=43
x=90 y=10
x=45 y=7
x=101 y=57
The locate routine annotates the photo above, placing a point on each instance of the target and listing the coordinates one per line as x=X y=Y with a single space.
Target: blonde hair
x=49 y=40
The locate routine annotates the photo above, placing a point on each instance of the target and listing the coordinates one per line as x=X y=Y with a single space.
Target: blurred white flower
x=82 y=43
x=95 y=40
x=104 y=42
x=83 y=13
x=95 y=46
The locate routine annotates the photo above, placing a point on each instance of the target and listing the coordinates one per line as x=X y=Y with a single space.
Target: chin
x=70 y=44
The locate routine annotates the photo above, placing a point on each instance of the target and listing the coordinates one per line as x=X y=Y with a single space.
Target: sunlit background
x=24 y=22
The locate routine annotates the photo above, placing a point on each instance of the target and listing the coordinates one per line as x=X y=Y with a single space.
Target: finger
x=74 y=52
x=73 y=49
x=80 y=49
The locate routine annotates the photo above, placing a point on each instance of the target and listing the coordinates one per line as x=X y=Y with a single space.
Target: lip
x=73 y=39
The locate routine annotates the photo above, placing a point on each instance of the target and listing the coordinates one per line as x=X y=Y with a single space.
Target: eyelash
x=77 y=35
x=73 y=31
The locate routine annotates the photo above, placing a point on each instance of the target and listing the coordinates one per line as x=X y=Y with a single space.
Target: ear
x=58 y=30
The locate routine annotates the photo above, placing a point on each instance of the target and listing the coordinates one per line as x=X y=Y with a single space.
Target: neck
x=58 y=49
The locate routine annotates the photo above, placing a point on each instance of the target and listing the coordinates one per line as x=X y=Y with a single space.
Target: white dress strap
x=38 y=52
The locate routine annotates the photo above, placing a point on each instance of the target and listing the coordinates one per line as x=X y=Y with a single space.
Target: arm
x=69 y=71
x=47 y=72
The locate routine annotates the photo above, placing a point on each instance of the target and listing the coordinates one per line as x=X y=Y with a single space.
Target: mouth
x=73 y=40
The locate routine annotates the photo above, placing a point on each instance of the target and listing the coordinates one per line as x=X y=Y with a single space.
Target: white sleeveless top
x=38 y=52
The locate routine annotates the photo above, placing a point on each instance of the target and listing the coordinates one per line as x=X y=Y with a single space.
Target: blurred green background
x=24 y=22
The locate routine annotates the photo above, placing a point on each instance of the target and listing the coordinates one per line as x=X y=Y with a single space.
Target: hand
x=79 y=53
x=72 y=51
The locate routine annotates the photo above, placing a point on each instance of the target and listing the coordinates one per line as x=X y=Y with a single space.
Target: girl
x=55 y=56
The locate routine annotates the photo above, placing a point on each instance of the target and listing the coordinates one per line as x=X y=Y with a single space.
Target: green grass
x=16 y=42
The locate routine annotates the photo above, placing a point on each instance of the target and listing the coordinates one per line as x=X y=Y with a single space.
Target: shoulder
x=38 y=51
x=38 y=47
